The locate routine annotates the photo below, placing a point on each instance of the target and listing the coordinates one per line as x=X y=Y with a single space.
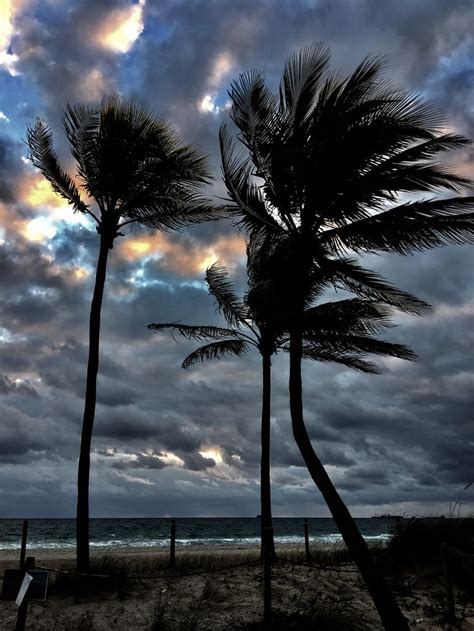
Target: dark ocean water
x=154 y=533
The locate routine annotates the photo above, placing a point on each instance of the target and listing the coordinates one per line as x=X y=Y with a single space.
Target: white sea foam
x=165 y=542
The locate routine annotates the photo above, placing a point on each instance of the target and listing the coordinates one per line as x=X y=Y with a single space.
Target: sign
x=16 y=584
x=23 y=588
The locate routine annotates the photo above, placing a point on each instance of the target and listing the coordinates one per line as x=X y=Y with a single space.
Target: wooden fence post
x=173 y=544
x=24 y=536
x=306 y=541
x=449 y=613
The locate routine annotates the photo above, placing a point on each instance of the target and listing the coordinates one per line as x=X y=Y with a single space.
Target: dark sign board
x=12 y=580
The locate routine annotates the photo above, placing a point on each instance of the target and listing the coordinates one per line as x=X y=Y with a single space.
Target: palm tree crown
x=339 y=331
x=132 y=164
x=325 y=163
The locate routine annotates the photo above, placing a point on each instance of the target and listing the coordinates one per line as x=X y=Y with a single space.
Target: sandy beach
x=202 y=594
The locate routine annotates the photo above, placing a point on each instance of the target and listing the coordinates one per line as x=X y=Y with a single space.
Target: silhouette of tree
x=321 y=172
x=132 y=168
x=339 y=331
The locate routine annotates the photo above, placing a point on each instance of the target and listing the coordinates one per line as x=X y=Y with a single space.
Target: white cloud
x=123 y=28
x=220 y=69
x=8 y=11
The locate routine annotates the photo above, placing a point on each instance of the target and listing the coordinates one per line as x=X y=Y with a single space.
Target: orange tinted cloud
x=36 y=191
x=184 y=259
x=122 y=28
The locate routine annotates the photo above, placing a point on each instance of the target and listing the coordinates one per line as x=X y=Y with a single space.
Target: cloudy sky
x=169 y=441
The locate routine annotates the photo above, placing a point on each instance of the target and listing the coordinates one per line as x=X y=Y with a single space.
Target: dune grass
x=417 y=541
x=113 y=571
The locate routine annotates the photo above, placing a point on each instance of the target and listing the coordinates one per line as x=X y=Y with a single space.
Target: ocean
x=154 y=533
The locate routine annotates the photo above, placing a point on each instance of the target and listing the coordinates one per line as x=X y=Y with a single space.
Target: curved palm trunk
x=82 y=520
x=390 y=614
x=267 y=540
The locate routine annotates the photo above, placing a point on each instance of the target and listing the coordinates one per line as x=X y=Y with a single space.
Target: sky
x=186 y=443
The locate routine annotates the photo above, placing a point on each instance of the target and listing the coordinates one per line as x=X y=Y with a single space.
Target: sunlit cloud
x=184 y=259
x=170 y=459
x=212 y=452
x=220 y=69
x=122 y=28
x=51 y=210
x=36 y=191
x=207 y=104
x=8 y=11
x=4 y=117
x=93 y=85
x=134 y=479
x=39 y=229
x=80 y=274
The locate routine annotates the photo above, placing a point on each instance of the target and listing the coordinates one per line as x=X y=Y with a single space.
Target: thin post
x=29 y=564
x=173 y=544
x=449 y=614
x=306 y=541
x=24 y=536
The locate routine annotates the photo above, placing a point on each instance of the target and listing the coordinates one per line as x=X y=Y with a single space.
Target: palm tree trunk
x=268 y=544
x=390 y=614
x=82 y=520
x=267 y=540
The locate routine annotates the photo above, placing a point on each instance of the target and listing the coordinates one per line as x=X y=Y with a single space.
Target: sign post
x=25 y=583
x=24 y=537
x=21 y=599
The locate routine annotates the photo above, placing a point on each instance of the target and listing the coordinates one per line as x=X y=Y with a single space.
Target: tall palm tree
x=339 y=331
x=323 y=166
x=132 y=169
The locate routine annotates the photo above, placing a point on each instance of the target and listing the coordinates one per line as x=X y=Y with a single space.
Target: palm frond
x=350 y=361
x=300 y=81
x=222 y=290
x=193 y=332
x=43 y=156
x=412 y=226
x=350 y=275
x=237 y=175
x=81 y=126
x=216 y=350
x=175 y=213
x=366 y=344
x=346 y=316
x=253 y=108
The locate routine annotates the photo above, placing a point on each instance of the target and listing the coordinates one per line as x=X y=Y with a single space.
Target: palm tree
x=321 y=173
x=339 y=331
x=132 y=169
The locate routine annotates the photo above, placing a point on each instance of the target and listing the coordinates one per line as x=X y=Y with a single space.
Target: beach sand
x=201 y=594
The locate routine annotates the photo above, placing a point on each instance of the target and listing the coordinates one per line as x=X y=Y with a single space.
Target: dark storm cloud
x=57 y=50
x=10 y=168
x=10 y=386
x=141 y=461
x=402 y=441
